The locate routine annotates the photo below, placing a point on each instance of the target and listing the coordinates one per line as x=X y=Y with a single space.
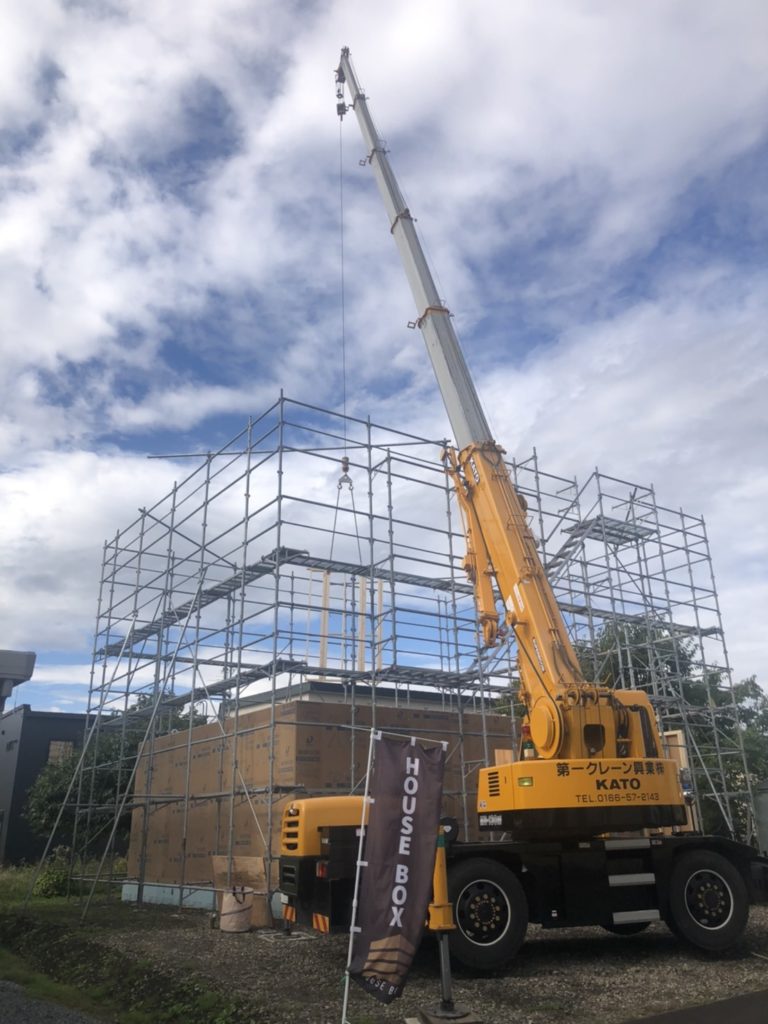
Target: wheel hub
x=709 y=899
x=483 y=912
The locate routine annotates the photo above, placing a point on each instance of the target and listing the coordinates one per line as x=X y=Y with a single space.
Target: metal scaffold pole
x=209 y=602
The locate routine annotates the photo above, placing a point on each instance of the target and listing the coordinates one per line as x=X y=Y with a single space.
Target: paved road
x=16 y=1007
x=749 y=1009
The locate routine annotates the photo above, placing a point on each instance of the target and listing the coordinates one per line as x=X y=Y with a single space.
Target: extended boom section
x=595 y=761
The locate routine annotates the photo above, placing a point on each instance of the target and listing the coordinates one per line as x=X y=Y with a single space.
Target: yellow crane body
x=569 y=813
x=540 y=798
x=569 y=719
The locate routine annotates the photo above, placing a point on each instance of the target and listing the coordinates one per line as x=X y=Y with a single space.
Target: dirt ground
x=584 y=976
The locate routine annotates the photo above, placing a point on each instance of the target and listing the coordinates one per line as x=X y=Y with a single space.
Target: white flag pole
x=375 y=735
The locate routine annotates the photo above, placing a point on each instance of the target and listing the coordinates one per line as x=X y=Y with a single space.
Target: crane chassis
x=700 y=886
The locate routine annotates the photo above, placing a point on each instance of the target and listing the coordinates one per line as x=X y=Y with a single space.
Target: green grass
x=37 y=985
x=14 y=884
x=44 y=949
x=65 y=965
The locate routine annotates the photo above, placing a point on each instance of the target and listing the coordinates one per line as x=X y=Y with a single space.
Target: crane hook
x=345 y=477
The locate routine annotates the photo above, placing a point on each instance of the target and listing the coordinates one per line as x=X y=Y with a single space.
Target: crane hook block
x=341 y=106
x=345 y=477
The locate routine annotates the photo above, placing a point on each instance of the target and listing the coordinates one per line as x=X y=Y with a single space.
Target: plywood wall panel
x=312 y=744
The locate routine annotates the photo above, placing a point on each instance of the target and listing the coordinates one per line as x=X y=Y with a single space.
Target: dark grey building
x=28 y=741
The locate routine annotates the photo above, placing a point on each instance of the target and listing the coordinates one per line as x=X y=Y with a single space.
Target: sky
x=589 y=179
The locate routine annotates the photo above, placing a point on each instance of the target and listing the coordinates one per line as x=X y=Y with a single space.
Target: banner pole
x=375 y=735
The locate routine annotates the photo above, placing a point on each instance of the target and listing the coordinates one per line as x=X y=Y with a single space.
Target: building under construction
x=306 y=580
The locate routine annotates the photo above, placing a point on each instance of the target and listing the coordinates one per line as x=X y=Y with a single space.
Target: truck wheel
x=491 y=914
x=708 y=902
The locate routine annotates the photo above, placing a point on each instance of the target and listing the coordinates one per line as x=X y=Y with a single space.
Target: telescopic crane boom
x=578 y=728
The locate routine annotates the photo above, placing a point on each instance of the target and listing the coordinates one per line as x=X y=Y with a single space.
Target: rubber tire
x=673 y=928
x=627 y=929
x=682 y=923
x=493 y=879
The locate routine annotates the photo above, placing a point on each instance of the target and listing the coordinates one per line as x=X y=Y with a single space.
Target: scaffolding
x=316 y=549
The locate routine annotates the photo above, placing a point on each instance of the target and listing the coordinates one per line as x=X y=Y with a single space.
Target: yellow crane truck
x=582 y=810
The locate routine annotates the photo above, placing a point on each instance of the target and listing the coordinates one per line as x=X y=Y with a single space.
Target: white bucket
x=236 y=908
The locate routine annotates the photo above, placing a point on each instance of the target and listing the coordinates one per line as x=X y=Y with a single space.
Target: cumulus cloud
x=57 y=510
x=671 y=393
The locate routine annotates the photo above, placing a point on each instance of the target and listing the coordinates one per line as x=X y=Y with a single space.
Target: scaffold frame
x=272 y=563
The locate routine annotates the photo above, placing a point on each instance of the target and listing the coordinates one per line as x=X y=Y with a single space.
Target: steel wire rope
x=345 y=462
x=341 y=282
x=223 y=732
x=354 y=517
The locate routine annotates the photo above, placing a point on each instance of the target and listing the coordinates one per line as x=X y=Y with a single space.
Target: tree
x=719 y=721
x=752 y=703
x=636 y=655
x=103 y=780
x=98 y=786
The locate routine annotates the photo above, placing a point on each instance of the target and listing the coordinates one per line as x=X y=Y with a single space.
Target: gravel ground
x=584 y=975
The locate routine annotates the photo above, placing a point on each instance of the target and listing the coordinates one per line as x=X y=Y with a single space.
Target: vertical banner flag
x=399 y=858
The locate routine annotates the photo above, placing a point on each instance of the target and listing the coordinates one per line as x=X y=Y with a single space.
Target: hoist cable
x=354 y=520
x=343 y=296
x=335 y=517
x=344 y=479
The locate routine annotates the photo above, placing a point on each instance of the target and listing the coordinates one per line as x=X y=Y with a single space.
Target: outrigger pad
x=458 y=1015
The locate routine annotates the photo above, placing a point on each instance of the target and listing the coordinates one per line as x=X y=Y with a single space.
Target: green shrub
x=53 y=880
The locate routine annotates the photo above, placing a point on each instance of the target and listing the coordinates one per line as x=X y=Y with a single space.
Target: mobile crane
x=593 y=763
